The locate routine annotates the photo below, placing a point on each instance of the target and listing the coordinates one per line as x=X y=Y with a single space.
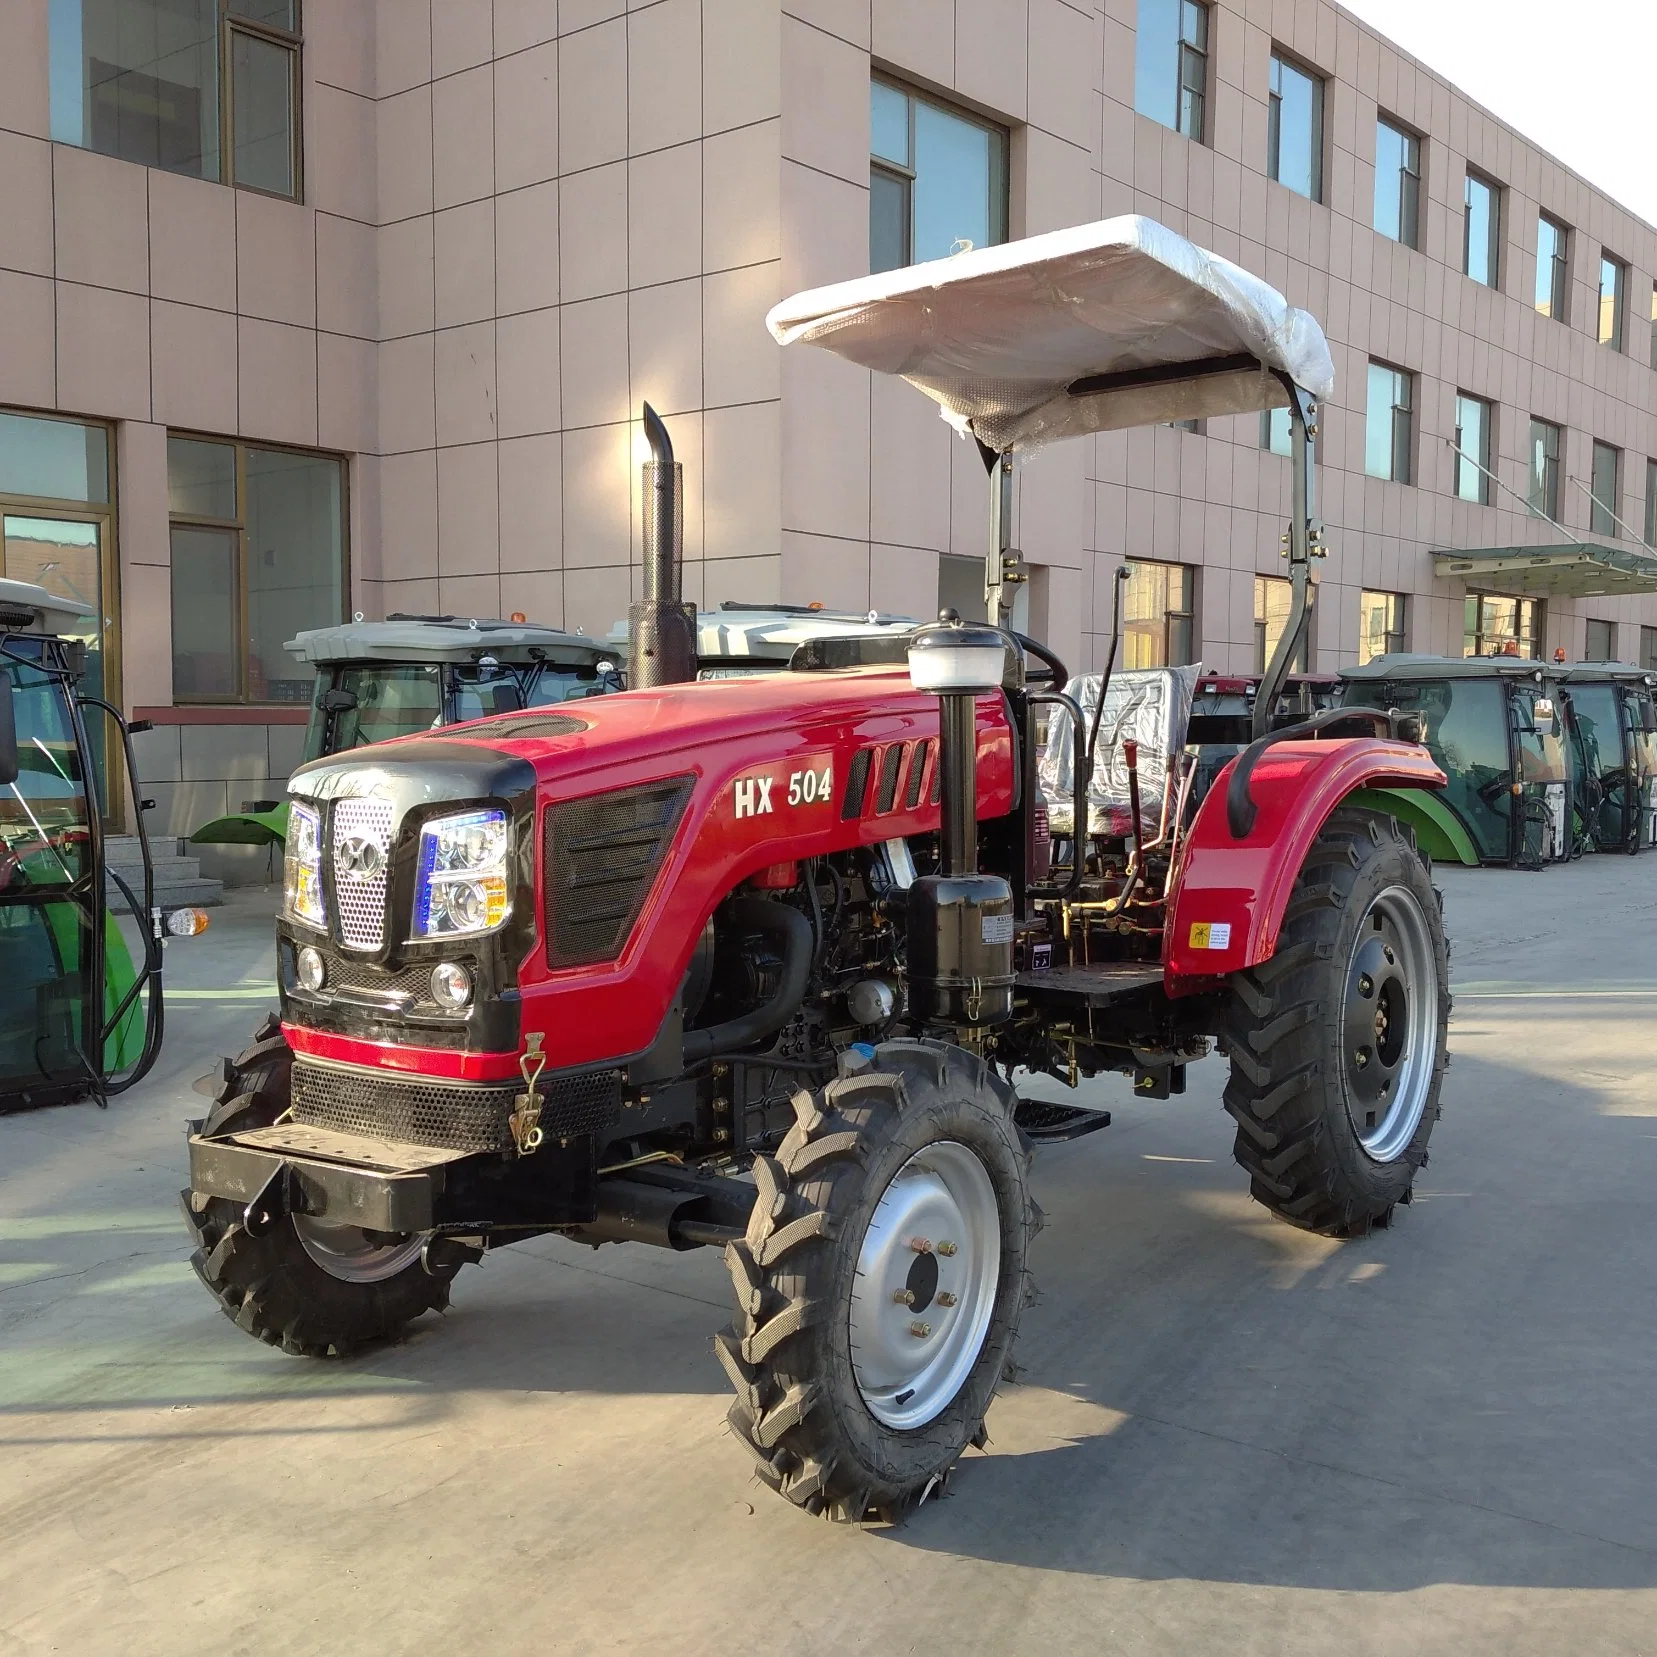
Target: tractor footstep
x=1048 y=1123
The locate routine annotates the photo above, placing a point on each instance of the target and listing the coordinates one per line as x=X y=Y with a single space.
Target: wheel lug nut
x=920 y=1330
x=1389 y=955
x=1362 y=1057
x=903 y=1297
x=945 y=1298
x=921 y=1245
x=1366 y=985
x=946 y=1249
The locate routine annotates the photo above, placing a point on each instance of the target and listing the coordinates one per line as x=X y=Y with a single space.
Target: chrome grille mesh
x=360 y=894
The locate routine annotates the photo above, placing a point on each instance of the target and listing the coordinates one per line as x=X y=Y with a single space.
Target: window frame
x=1169 y=618
x=1478 y=464
x=1402 y=450
x=1000 y=165
x=1609 y=636
x=1493 y=250
x=1534 y=606
x=1617 y=338
x=1398 y=607
x=1559 y=284
x=229 y=26
x=1412 y=222
x=1651 y=502
x=1648 y=648
x=1596 y=504
x=1553 y=468
x=240 y=650
x=1280 y=60
x=1263 y=647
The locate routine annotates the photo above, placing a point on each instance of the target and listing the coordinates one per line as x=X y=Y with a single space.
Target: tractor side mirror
x=338 y=701
x=8 y=734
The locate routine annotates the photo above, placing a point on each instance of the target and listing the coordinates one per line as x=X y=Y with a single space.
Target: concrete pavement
x=1230 y=1438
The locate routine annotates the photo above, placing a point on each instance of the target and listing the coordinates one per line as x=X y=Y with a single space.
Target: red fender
x=1228 y=898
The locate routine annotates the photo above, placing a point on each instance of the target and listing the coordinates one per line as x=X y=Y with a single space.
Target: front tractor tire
x=312 y=1289
x=880 y=1283
x=1338 y=1042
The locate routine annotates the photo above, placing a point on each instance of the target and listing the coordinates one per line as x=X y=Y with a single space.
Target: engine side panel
x=1229 y=896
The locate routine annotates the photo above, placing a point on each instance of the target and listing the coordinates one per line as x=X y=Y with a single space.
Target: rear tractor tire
x=312 y=1289
x=880 y=1283
x=1338 y=1043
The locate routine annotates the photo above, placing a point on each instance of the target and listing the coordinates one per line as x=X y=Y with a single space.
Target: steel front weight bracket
x=525 y=1120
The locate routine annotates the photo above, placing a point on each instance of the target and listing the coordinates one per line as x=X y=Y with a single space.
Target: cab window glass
x=44 y=834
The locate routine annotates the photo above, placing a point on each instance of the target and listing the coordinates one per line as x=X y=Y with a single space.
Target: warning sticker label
x=1211 y=934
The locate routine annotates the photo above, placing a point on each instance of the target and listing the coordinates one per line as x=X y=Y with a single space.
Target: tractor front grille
x=601 y=857
x=361 y=855
x=459 y=1116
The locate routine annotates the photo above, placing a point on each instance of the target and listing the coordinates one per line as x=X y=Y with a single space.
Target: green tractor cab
x=1612 y=716
x=1495 y=725
x=380 y=679
x=75 y=1018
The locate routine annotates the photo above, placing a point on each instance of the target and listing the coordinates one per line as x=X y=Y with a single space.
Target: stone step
x=201 y=893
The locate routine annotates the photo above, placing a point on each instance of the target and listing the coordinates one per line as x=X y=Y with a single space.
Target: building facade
x=351 y=305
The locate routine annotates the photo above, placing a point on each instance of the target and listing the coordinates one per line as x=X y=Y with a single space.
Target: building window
x=1274 y=432
x=1159 y=612
x=1651 y=503
x=1602 y=642
x=1273 y=600
x=1389 y=434
x=1474 y=419
x=1546 y=444
x=1170 y=74
x=1380 y=625
x=1648 y=649
x=937 y=179
x=1397 y=183
x=258 y=554
x=1495 y=624
x=1613 y=282
x=1481 y=242
x=1553 y=243
x=1606 y=490
x=1294 y=129
x=204 y=87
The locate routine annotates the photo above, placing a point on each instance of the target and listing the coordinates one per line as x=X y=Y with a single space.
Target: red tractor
x=759 y=963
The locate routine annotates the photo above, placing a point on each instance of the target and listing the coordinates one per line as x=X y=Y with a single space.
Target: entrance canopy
x=1579 y=569
x=1108 y=325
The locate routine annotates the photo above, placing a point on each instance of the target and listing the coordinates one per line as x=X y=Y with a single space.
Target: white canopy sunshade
x=1006 y=339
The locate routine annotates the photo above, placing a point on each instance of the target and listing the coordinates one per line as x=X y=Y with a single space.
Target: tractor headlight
x=302 y=867
x=461 y=888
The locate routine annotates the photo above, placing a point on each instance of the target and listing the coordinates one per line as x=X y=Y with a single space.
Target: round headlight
x=312 y=969
x=451 y=985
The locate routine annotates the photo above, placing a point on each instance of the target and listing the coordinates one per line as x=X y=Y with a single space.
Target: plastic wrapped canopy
x=999 y=336
x=1150 y=706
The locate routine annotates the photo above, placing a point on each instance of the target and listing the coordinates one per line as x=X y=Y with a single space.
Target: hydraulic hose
x=793 y=932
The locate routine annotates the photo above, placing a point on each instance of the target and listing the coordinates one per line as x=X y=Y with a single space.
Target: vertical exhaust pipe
x=661 y=627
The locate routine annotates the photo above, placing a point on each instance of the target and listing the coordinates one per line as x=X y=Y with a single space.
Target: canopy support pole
x=1003 y=568
x=1303 y=542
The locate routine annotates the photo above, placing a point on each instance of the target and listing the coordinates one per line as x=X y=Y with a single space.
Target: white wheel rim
x=1389 y=1024
x=935 y=1237
x=350 y=1254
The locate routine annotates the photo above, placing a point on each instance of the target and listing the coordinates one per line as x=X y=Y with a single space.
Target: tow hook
x=525 y=1120
x=269 y=1204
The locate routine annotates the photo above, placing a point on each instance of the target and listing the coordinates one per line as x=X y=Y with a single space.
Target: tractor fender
x=1226 y=905
x=1439 y=831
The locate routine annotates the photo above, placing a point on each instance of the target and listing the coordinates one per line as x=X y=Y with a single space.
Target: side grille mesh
x=601 y=855
x=361 y=897
x=917 y=774
x=857 y=785
x=891 y=763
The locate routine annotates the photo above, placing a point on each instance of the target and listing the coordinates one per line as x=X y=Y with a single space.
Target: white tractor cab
x=380 y=679
x=738 y=639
